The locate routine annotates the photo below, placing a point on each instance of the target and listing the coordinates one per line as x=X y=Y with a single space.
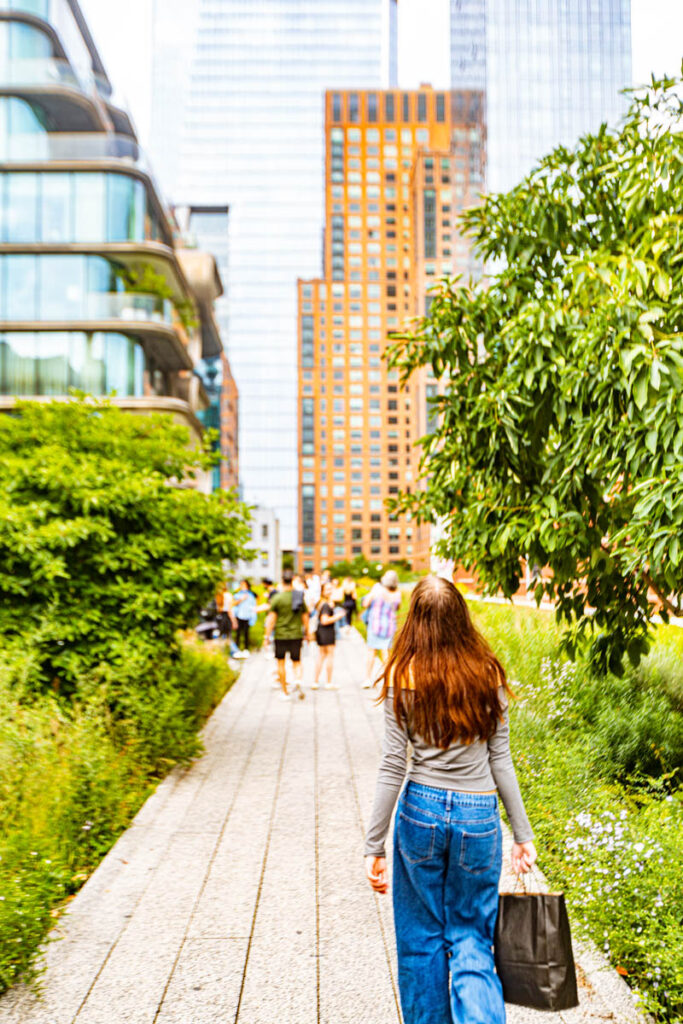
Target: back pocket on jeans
x=478 y=851
x=415 y=839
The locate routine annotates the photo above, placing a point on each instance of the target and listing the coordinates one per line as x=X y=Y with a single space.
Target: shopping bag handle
x=522 y=878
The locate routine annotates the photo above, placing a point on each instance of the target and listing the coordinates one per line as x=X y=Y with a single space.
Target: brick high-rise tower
x=400 y=166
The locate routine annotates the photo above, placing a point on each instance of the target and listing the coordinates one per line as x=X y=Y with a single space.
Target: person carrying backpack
x=287 y=620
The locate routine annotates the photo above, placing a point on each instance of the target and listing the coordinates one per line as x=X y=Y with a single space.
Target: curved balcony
x=68 y=98
x=38 y=147
x=36 y=71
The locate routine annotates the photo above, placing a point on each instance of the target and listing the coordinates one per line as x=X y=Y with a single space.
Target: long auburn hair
x=444 y=670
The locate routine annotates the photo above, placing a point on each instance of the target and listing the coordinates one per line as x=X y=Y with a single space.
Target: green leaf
x=640 y=389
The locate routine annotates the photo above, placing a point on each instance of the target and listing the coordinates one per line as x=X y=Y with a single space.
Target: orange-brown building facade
x=399 y=168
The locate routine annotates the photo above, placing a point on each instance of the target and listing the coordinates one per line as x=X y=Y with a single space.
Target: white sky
x=122 y=30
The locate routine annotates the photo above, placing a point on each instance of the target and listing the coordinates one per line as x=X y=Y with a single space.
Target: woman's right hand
x=523 y=857
x=376 y=873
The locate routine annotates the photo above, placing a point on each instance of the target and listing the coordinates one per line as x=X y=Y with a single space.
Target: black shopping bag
x=533 y=951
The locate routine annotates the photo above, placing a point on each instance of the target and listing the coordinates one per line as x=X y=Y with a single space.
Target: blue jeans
x=447 y=863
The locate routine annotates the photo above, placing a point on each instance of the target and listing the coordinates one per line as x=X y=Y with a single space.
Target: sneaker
x=331 y=686
x=314 y=686
x=241 y=655
x=299 y=692
x=285 y=696
x=367 y=685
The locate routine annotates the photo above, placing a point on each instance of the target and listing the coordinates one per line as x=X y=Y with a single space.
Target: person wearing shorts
x=287 y=621
x=325 y=636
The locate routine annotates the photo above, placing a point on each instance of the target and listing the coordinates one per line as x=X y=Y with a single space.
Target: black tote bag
x=533 y=951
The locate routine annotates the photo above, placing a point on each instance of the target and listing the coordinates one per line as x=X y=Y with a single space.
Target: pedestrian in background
x=226 y=620
x=382 y=603
x=244 y=607
x=325 y=637
x=287 y=621
x=445 y=692
x=350 y=602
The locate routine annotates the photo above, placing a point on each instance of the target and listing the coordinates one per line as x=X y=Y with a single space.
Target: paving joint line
x=316 y=801
x=359 y=819
x=137 y=902
x=214 y=854
x=265 y=862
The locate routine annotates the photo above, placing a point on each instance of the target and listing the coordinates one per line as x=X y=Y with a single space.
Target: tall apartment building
x=551 y=70
x=238 y=118
x=399 y=167
x=96 y=290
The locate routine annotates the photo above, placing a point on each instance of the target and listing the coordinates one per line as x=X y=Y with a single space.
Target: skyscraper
x=96 y=291
x=399 y=166
x=551 y=70
x=239 y=88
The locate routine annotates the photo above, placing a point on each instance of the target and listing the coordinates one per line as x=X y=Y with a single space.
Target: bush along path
x=72 y=778
x=238 y=893
x=599 y=761
x=107 y=553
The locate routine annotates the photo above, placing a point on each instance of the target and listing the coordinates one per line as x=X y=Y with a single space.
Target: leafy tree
x=560 y=425
x=106 y=550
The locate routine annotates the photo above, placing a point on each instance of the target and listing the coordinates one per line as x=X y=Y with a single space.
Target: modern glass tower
x=552 y=70
x=96 y=290
x=239 y=93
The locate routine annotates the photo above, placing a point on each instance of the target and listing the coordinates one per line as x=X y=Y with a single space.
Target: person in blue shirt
x=244 y=608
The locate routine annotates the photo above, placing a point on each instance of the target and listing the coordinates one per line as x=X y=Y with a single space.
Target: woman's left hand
x=376 y=872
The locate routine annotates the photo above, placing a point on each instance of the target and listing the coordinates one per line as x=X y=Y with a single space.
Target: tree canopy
x=560 y=413
x=105 y=547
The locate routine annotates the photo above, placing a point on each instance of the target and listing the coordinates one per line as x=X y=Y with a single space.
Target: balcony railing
x=32 y=71
x=98 y=306
x=37 y=147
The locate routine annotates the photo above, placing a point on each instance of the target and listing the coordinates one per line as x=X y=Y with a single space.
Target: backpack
x=297 y=600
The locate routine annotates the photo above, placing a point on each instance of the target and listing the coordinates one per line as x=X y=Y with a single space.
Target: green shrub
x=73 y=774
x=105 y=550
x=595 y=758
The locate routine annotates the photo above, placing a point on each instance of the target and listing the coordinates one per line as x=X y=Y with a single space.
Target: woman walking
x=325 y=636
x=382 y=603
x=445 y=691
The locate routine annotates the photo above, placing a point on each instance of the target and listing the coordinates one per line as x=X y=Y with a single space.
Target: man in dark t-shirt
x=287 y=620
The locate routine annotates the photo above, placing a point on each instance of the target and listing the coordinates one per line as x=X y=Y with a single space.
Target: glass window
x=50 y=362
x=429 y=223
x=19 y=41
x=422 y=107
x=440 y=107
x=336 y=107
x=20 y=213
x=62 y=287
x=56 y=208
x=20 y=291
x=389 y=107
x=353 y=107
x=372 y=106
x=120 y=208
x=406 y=106
x=90 y=208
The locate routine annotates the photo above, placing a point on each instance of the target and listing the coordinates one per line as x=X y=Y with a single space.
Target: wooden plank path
x=238 y=895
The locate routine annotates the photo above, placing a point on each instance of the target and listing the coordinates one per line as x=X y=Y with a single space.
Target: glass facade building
x=551 y=69
x=94 y=292
x=245 y=82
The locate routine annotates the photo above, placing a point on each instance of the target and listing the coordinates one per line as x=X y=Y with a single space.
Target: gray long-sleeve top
x=468 y=768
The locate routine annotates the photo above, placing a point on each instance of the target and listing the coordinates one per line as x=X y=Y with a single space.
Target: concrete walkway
x=238 y=894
